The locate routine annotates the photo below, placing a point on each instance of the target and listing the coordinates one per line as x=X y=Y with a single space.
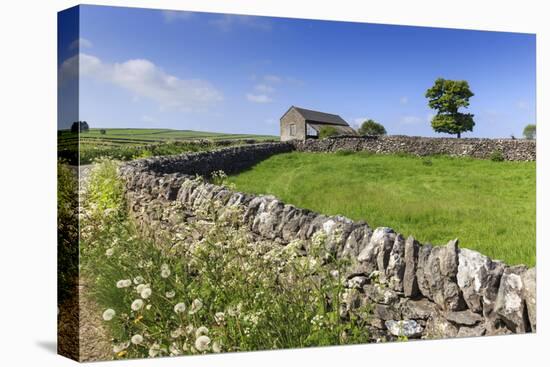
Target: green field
x=489 y=206
x=125 y=144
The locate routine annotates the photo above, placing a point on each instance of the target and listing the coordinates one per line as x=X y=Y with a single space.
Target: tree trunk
x=458 y=135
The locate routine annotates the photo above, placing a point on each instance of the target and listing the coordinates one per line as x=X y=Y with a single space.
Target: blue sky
x=239 y=74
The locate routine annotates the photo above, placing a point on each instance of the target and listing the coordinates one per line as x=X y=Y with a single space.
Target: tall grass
x=488 y=205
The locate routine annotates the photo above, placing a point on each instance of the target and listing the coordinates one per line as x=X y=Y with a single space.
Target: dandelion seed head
x=170 y=294
x=202 y=343
x=196 y=305
x=108 y=314
x=145 y=293
x=123 y=283
x=137 y=339
x=109 y=252
x=202 y=330
x=179 y=308
x=137 y=305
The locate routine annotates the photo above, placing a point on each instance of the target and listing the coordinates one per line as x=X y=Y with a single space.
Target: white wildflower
x=176 y=333
x=154 y=350
x=219 y=317
x=137 y=339
x=137 y=305
x=189 y=329
x=202 y=343
x=117 y=348
x=109 y=252
x=216 y=347
x=148 y=307
x=170 y=294
x=145 y=293
x=179 y=308
x=196 y=305
x=123 y=283
x=174 y=350
x=202 y=330
x=138 y=280
x=164 y=271
x=109 y=314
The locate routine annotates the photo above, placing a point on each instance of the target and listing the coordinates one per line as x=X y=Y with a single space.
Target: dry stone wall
x=511 y=149
x=415 y=290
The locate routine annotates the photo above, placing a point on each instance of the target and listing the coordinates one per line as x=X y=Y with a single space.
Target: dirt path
x=95 y=342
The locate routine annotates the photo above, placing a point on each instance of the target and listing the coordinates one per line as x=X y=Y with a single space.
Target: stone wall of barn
x=293 y=117
x=415 y=290
x=510 y=149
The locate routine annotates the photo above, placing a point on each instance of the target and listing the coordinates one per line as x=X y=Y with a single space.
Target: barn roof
x=320 y=117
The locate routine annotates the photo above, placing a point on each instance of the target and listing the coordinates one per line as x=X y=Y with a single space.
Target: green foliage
x=530 y=131
x=327 y=131
x=497 y=156
x=371 y=127
x=237 y=293
x=489 y=206
x=67 y=232
x=446 y=97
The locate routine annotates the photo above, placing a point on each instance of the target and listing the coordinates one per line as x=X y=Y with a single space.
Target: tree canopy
x=530 y=131
x=447 y=96
x=371 y=127
x=327 y=131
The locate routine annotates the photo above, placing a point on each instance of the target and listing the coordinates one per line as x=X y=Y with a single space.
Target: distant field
x=127 y=144
x=489 y=206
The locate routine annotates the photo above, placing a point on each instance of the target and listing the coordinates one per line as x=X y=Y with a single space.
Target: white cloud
x=264 y=88
x=226 y=22
x=80 y=44
x=404 y=100
x=272 y=78
x=258 y=98
x=173 y=15
x=143 y=78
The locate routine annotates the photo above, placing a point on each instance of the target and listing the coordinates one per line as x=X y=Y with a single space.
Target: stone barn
x=300 y=124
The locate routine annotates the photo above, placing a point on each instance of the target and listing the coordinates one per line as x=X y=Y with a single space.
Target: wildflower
x=189 y=329
x=202 y=343
x=164 y=271
x=138 y=319
x=216 y=347
x=170 y=294
x=137 y=305
x=137 y=339
x=196 y=305
x=109 y=252
x=174 y=350
x=154 y=350
x=180 y=308
x=109 y=314
x=176 y=333
x=117 y=348
x=122 y=353
x=219 y=317
x=202 y=330
x=141 y=287
x=138 y=280
x=146 y=293
x=123 y=283
x=148 y=307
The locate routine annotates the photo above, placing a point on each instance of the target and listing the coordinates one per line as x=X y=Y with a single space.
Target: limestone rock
x=410 y=284
x=510 y=306
x=418 y=310
x=379 y=294
x=376 y=254
x=385 y=312
x=407 y=328
x=396 y=264
x=530 y=295
x=465 y=331
x=422 y=275
x=465 y=317
x=478 y=278
x=438 y=327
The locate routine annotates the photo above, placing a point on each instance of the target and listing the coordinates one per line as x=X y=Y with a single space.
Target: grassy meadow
x=489 y=206
x=127 y=144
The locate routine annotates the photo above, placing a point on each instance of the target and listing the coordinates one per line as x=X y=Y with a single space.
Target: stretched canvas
x=232 y=183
